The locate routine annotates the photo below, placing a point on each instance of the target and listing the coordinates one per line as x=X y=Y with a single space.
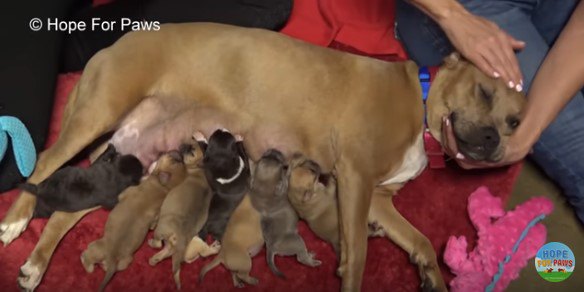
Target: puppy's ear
x=452 y=60
x=164 y=177
x=313 y=166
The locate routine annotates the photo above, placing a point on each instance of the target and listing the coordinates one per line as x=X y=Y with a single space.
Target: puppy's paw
x=199 y=137
x=30 y=276
x=155 y=243
x=309 y=260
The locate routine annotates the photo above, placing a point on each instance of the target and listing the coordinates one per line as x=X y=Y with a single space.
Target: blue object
x=424 y=75
x=24 y=151
x=499 y=273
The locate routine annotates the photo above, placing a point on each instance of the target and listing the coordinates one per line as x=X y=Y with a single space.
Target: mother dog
x=360 y=119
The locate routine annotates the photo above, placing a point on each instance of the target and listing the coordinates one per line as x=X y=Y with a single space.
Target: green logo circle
x=555 y=262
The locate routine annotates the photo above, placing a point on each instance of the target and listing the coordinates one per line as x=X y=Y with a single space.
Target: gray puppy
x=269 y=195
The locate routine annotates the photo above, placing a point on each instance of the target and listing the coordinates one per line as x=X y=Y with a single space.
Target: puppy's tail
x=209 y=267
x=110 y=271
x=31 y=188
x=177 y=259
x=270 y=258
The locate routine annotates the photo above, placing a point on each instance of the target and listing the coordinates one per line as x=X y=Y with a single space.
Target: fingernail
x=447 y=122
x=511 y=84
x=496 y=74
x=459 y=156
x=519 y=88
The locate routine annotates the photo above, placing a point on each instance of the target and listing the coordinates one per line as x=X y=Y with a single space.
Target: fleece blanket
x=435 y=202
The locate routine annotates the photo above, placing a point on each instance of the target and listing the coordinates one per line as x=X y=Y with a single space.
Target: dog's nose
x=489 y=138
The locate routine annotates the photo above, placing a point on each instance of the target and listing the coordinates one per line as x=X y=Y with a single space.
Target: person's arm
x=559 y=77
x=480 y=41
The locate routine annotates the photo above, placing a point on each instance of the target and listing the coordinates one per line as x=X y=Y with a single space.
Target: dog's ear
x=452 y=60
x=164 y=177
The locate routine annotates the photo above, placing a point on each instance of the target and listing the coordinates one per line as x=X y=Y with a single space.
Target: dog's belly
x=160 y=124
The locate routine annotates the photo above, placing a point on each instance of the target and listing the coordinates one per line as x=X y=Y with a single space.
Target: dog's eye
x=513 y=122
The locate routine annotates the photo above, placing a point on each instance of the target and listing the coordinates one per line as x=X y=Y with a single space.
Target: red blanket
x=435 y=202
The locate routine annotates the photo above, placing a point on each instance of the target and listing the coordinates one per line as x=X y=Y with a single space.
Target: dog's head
x=302 y=179
x=127 y=165
x=192 y=154
x=270 y=174
x=170 y=169
x=224 y=159
x=484 y=112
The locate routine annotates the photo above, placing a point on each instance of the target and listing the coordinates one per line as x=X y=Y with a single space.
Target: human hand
x=515 y=150
x=484 y=44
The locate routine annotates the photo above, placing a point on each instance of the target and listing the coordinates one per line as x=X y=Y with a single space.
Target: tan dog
x=259 y=83
x=241 y=241
x=183 y=214
x=130 y=220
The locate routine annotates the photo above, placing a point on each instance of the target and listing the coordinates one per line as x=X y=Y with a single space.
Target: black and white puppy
x=269 y=196
x=72 y=189
x=227 y=171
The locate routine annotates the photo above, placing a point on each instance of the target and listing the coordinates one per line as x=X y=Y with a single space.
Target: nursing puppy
x=183 y=214
x=73 y=189
x=241 y=241
x=315 y=202
x=227 y=171
x=269 y=195
x=130 y=220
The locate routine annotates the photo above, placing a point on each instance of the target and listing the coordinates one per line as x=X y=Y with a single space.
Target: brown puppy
x=269 y=195
x=130 y=220
x=241 y=241
x=183 y=213
x=314 y=202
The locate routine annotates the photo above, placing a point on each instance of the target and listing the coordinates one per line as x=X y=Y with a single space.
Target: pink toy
x=498 y=232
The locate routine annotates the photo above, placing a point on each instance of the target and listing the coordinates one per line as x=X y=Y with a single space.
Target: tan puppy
x=241 y=241
x=130 y=220
x=183 y=214
x=314 y=202
x=284 y=94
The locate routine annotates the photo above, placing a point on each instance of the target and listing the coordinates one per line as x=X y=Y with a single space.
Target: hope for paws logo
x=555 y=262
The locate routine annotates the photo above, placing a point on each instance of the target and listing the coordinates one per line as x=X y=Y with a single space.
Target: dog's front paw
x=30 y=276
x=17 y=218
x=429 y=273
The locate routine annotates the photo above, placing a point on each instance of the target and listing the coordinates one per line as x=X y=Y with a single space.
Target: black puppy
x=72 y=189
x=227 y=171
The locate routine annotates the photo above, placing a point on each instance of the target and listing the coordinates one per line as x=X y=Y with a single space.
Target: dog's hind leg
x=58 y=225
x=99 y=104
x=354 y=199
x=402 y=233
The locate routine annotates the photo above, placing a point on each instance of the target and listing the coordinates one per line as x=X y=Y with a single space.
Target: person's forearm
x=560 y=76
x=439 y=10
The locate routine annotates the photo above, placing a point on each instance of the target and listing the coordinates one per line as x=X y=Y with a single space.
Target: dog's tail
x=270 y=258
x=31 y=188
x=209 y=267
x=110 y=270
x=177 y=258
